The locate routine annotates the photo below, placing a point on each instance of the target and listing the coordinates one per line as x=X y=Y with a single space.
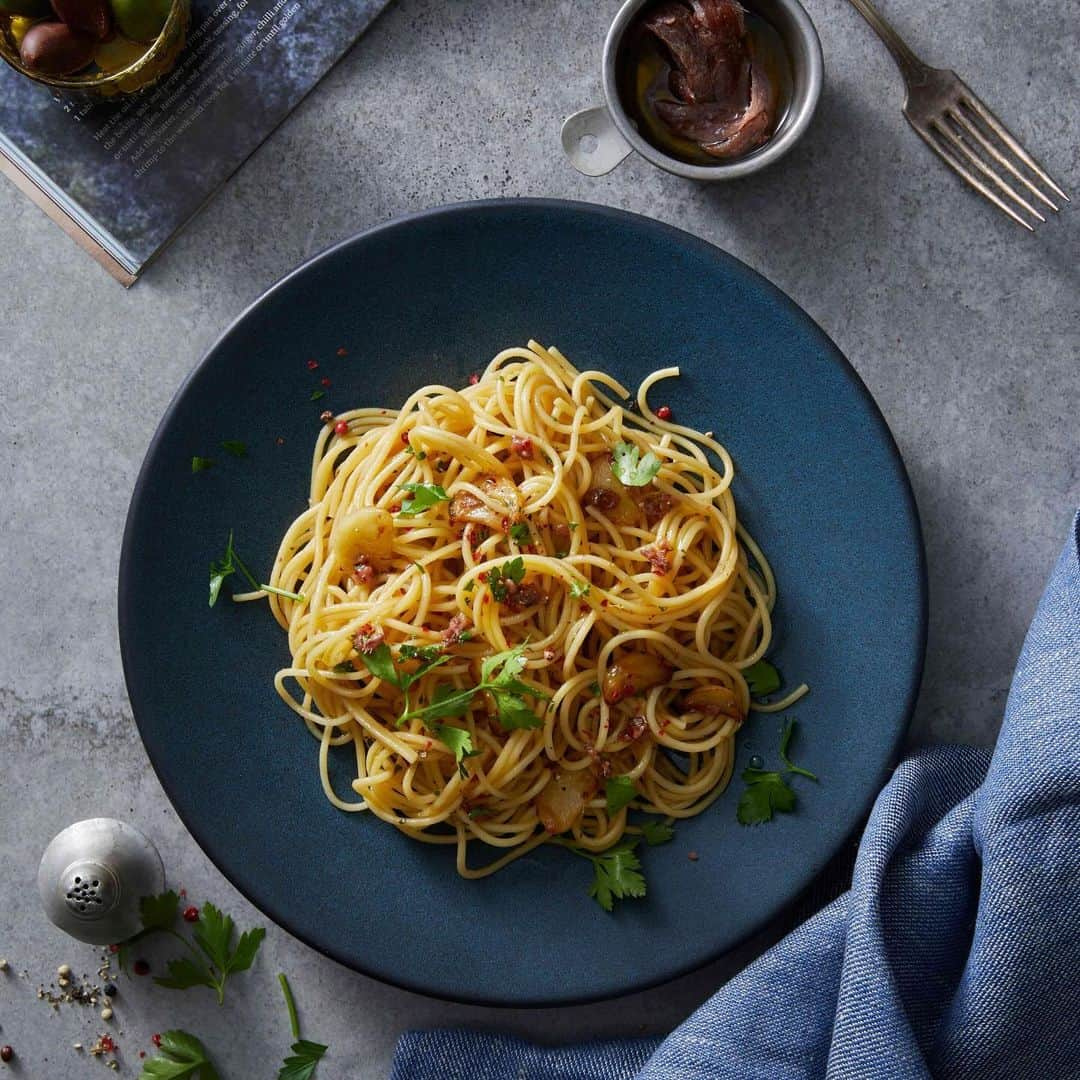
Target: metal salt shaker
x=93 y=875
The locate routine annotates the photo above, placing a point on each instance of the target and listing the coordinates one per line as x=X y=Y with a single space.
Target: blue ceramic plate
x=431 y=298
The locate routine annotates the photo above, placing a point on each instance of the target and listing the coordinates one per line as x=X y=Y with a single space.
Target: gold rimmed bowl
x=119 y=66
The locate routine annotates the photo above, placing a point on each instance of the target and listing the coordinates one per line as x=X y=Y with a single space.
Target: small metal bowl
x=597 y=139
x=156 y=60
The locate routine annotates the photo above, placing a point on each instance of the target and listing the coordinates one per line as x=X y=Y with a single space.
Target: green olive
x=34 y=8
x=140 y=20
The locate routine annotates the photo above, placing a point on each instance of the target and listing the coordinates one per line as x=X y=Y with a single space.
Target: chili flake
x=312 y=365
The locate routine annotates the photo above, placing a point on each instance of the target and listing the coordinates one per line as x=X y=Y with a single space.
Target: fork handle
x=912 y=68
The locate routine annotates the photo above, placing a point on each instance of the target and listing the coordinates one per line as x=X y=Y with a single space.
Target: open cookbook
x=121 y=176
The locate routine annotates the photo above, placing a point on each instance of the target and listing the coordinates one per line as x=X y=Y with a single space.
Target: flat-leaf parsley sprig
x=213 y=957
x=767 y=791
x=306 y=1055
x=180 y=1057
x=630 y=468
x=231 y=563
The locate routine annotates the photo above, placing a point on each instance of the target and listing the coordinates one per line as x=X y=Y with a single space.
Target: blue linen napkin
x=955 y=954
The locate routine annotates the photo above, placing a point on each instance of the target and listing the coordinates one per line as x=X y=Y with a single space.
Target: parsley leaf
x=762 y=678
x=656 y=832
x=201 y=464
x=220 y=959
x=159 y=912
x=346 y=667
x=235 y=447
x=420 y=455
x=181 y=1057
x=317 y=394
x=766 y=793
x=620 y=792
x=458 y=740
x=380 y=662
x=629 y=470
x=231 y=563
x=616 y=874
x=511 y=570
x=785 y=741
x=421 y=497
x=520 y=533
x=300 y=1065
x=579 y=589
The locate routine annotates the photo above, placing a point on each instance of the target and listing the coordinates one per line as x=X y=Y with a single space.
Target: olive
x=89 y=17
x=141 y=20
x=53 y=48
x=34 y=8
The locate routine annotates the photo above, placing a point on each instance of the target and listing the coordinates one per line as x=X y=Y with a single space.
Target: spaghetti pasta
x=518 y=598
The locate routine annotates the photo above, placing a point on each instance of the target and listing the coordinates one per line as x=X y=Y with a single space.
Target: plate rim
x=680 y=236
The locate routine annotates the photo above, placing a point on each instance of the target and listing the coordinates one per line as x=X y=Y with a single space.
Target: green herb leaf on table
x=761 y=678
x=235 y=447
x=159 y=912
x=630 y=468
x=317 y=395
x=620 y=792
x=497 y=577
x=201 y=464
x=656 y=832
x=421 y=497
x=578 y=589
x=220 y=959
x=300 y=1065
x=180 y=1057
x=520 y=533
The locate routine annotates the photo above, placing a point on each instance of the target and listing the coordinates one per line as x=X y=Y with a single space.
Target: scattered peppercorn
x=64 y=971
x=6 y=1053
x=114 y=948
x=693 y=856
x=312 y=365
x=341 y=427
x=155 y=1039
x=280 y=441
x=110 y=989
x=663 y=413
x=474 y=379
x=141 y=967
x=191 y=914
x=3 y=964
x=106 y=1013
x=343 y=351
x=325 y=381
x=327 y=417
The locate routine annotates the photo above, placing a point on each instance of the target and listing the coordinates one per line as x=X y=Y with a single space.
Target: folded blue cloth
x=955 y=954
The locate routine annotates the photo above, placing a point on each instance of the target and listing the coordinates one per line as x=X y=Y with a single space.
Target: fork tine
x=989 y=148
x=957 y=143
x=1007 y=137
x=955 y=163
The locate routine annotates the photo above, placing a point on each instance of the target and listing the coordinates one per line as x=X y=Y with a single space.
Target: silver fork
x=962 y=131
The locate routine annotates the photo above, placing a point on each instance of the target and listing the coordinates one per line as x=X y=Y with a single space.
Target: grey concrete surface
x=964 y=328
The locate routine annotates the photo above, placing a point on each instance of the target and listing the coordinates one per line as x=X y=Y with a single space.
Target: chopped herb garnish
x=620 y=792
x=573 y=525
x=656 y=832
x=767 y=792
x=346 y=667
x=470 y=585
x=594 y=688
x=231 y=563
x=420 y=455
x=180 y=1057
x=616 y=874
x=480 y=812
x=380 y=662
x=201 y=464
x=316 y=395
x=579 y=589
x=511 y=570
x=499 y=678
x=421 y=497
x=761 y=678
x=631 y=471
x=235 y=447
x=520 y=533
